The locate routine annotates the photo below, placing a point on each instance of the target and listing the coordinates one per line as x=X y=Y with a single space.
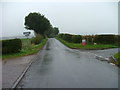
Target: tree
x=52 y=32
x=37 y=22
x=56 y=30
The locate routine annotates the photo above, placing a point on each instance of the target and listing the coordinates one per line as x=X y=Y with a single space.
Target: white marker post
x=83 y=42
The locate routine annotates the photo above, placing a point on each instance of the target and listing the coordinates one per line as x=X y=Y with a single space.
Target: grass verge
x=117 y=56
x=27 y=49
x=88 y=46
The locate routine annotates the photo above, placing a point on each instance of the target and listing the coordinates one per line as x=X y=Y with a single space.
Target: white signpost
x=26 y=34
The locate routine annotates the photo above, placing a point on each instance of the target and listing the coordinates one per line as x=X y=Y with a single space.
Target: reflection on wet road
x=60 y=67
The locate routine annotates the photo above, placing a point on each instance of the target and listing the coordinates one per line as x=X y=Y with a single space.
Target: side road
x=106 y=53
x=103 y=55
x=12 y=69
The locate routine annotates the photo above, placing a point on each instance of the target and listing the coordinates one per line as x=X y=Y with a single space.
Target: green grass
x=27 y=49
x=117 y=56
x=88 y=46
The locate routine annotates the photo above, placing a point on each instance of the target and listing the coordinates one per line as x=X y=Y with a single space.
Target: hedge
x=117 y=40
x=105 y=39
x=76 y=38
x=11 y=46
x=67 y=37
x=88 y=38
x=71 y=38
x=100 y=39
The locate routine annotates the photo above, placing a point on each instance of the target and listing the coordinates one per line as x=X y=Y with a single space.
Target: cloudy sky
x=71 y=16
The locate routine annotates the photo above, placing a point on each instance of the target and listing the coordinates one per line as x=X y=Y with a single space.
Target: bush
x=105 y=39
x=76 y=39
x=11 y=46
x=37 y=39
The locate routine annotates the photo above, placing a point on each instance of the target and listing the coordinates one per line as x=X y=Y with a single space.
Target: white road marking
x=112 y=64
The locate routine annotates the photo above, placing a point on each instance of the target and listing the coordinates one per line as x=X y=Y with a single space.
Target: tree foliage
x=37 y=22
x=52 y=32
x=55 y=30
x=37 y=39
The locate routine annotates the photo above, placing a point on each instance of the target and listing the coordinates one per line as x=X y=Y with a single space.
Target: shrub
x=76 y=39
x=37 y=39
x=11 y=46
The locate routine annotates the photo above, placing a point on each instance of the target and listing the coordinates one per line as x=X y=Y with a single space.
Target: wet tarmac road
x=60 y=67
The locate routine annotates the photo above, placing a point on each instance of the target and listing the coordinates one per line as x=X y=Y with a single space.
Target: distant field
x=27 y=49
x=13 y=37
x=88 y=46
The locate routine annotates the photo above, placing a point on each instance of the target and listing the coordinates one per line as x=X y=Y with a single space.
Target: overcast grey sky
x=70 y=17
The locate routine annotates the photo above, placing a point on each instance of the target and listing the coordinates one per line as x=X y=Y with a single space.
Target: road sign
x=26 y=34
